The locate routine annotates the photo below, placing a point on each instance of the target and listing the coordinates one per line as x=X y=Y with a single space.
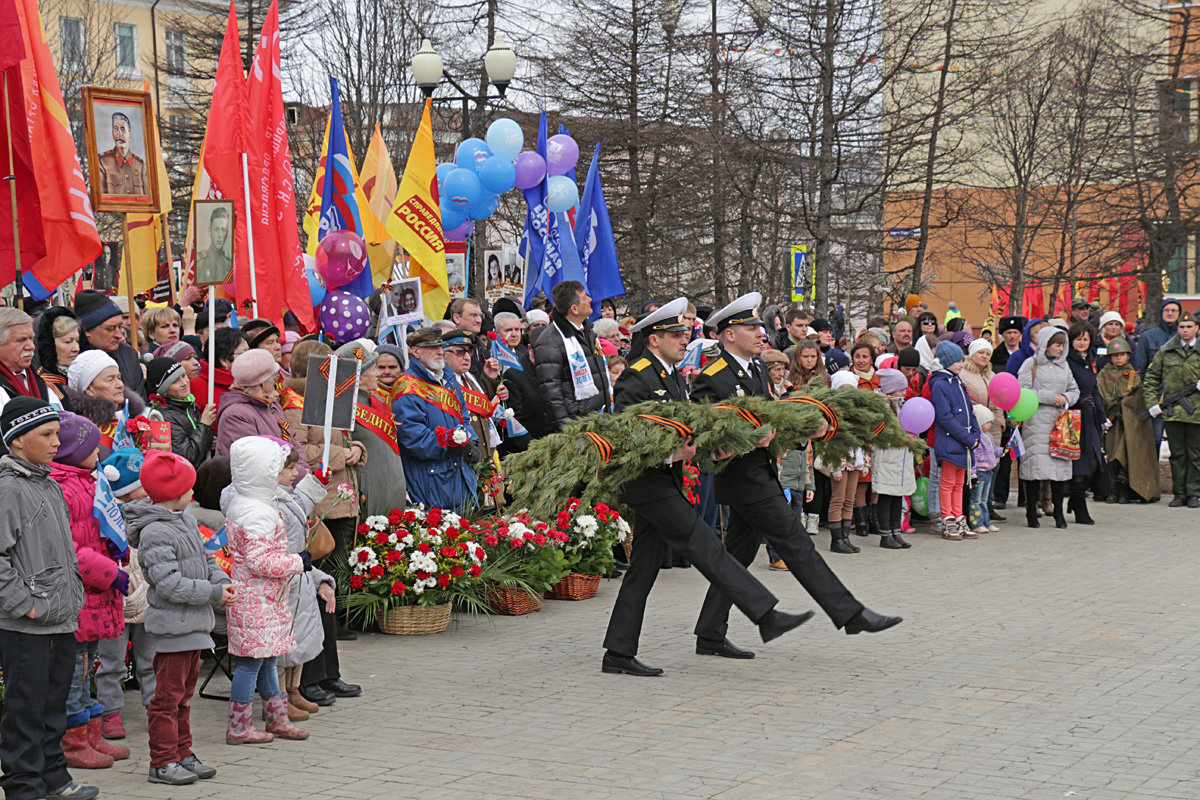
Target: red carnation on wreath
x=356 y=581
x=363 y=528
x=443 y=580
x=456 y=571
x=376 y=572
x=476 y=570
x=434 y=517
x=398 y=587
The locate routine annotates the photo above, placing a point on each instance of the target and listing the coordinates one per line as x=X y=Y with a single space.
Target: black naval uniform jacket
x=753 y=476
x=647 y=379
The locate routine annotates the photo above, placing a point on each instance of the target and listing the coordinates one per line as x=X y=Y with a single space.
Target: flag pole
x=250 y=235
x=212 y=339
x=133 y=310
x=11 y=177
x=170 y=262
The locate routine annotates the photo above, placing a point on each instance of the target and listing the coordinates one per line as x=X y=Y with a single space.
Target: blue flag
x=107 y=512
x=219 y=539
x=547 y=244
x=594 y=237
x=121 y=437
x=692 y=357
x=504 y=354
x=339 y=206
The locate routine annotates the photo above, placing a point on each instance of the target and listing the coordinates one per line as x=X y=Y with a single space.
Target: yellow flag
x=416 y=223
x=379 y=184
x=373 y=230
x=145 y=230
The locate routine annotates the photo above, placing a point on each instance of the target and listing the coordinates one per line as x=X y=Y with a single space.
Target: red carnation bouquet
x=412 y=557
x=527 y=552
x=591 y=534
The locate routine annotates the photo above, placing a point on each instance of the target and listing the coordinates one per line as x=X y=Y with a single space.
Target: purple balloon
x=916 y=415
x=341 y=257
x=460 y=233
x=531 y=170
x=561 y=154
x=344 y=317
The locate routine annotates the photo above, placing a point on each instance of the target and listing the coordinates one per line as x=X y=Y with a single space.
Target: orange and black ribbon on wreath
x=745 y=414
x=683 y=430
x=604 y=446
x=826 y=412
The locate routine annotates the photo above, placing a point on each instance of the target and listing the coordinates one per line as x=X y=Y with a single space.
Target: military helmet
x=1119 y=345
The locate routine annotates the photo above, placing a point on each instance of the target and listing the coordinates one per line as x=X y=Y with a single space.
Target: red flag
x=278 y=258
x=57 y=227
x=1034 y=301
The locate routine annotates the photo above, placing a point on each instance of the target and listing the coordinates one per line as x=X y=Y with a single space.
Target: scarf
x=24 y=385
x=866 y=376
x=581 y=372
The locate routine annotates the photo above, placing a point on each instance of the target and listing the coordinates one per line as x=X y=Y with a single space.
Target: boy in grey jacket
x=41 y=596
x=185 y=584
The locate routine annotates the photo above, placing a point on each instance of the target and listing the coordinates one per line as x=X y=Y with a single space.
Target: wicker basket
x=513 y=602
x=575 y=587
x=413 y=620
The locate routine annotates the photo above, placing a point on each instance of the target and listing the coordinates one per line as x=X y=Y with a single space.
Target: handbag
x=320 y=542
x=1064 y=437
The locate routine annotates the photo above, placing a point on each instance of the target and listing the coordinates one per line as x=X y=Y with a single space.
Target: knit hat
x=983 y=415
x=891 y=380
x=948 y=353
x=1111 y=316
x=1166 y=302
x=211 y=479
x=123 y=470
x=93 y=308
x=287 y=340
x=86 y=367
x=535 y=315
x=253 y=368
x=819 y=324
x=176 y=350
x=359 y=349
x=23 y=414
x=166 y=476
x=910 y=301
x=909 y=357
x=835 y=360
x=162 y=373
x=78 y=438
x=839 y=380
x=390 y=350
x=977 y=345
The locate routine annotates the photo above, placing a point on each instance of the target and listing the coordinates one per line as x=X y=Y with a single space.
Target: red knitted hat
x=166 y=476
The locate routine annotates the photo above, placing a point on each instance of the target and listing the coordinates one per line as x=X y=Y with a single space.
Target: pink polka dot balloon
x=344 y=317
x=341 y=257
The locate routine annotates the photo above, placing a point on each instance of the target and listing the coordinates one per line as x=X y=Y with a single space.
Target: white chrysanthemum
x=418 y=587
x=460 y=436
x=377 y=522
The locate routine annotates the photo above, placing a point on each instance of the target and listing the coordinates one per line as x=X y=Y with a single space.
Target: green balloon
x=1025 y=407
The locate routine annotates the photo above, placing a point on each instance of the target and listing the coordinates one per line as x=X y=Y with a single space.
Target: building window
x=126 y=46
x=291 y=115
x=176 y=52
x=1183 y=269
x=1178 y=106
x=70 y=35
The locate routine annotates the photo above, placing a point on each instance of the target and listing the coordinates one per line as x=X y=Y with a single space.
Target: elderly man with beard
x=433 y=427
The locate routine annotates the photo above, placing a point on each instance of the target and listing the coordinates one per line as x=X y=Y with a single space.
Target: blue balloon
x=471 y=154
x=497 y=175
x=316 y=286
x=462 y=188
x=442 y=171
x=505 y=138
x=561 y=193
x=484 y=207
x=452 y=216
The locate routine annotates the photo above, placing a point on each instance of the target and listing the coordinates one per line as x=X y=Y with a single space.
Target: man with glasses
x=100 y=320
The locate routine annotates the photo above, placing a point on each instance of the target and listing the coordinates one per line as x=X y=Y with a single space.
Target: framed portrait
x=456 y=273
x=121 y=150
x=503 y=274
x=214 y=241
x=402 y=301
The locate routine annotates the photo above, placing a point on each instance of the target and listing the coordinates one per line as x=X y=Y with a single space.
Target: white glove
x=1198 y=386
x=1155 y=410
x=1107 y=424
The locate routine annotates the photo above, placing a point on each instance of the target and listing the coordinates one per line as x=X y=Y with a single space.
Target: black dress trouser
x=325 y=666
x=771 y=518
x=37 y=676
x=664 y=518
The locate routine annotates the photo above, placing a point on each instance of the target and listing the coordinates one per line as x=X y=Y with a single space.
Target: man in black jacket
x=571 y=372
x=1009 y=330
x=758 y=509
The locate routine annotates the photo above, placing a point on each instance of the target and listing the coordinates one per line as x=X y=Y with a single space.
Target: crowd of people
x=135 y=457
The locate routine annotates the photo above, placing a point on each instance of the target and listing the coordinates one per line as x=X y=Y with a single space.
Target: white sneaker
x=950 y=529
x=810 y=523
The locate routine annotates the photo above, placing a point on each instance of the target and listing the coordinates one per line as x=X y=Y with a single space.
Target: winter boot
x=1079 y=485
x=1031 y=509
x=296 y=699
x=839 y=533
x=873 y=520
x=1058 y=490
x=277 y=719
x=890 y=540
x=96 y=741
x=241 y=730
x=79 y=752
x=112 y=726
x=862 y=525
x=950 y=529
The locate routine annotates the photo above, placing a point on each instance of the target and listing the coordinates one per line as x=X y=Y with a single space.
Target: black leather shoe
x=725 y=649
x=339 y=688
x=891 y=541
x=315 y=694
x=997 y=518
x=1178 y=501
x=867 y=621
x=1194 y=502
x=998 y=504
x=345 y=634
x=777 y=623
x=617 y=664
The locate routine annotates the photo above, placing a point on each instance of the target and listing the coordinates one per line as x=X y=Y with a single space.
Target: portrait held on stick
x=214 y=241
x=121 y=152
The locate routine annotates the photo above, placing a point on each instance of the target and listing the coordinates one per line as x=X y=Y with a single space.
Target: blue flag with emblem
x=219 y=539
x=339 y=206
x=594 y=238
x=121 y=437
x=691 y=358
x=505 y=355
x=107 y=512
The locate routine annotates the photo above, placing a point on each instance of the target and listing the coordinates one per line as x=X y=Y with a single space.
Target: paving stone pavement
x=1032 y=664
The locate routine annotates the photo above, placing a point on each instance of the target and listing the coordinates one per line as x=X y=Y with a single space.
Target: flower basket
x=575 y=587
x=513 y=602
x=415 y=620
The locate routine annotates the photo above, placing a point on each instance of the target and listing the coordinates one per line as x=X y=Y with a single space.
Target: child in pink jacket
x=104 y=587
